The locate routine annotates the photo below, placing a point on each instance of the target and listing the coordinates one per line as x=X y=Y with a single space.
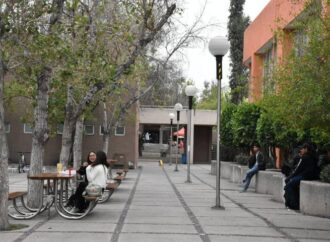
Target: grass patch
x=17 y=226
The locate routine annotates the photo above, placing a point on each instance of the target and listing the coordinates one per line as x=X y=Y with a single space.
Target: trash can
x=184 y=159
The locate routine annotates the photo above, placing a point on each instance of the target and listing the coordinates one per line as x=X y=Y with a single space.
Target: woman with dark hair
x=305 y=170
x=76 y=200
x=97 y=172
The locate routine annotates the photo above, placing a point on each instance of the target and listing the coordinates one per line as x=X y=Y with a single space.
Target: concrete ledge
x=213 y=167
x=315 y=198
x=226 y=169
x=314 y=195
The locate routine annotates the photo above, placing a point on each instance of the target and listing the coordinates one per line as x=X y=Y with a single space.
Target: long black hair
x=101 y=159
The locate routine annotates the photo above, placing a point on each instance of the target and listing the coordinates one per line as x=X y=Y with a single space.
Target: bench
x=14 y=195
x=23 y=212
x=119 y=179
x=109 y=190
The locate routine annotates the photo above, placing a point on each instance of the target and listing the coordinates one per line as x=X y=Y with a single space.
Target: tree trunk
x=106 y=133
x=77 y=144
x=68 y=128
x=4 y=180
x=40 y=136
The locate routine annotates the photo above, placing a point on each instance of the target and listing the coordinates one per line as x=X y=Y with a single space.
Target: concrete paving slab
x=67 y=237
x=158 y=220
x=159 y=228
x=78 y=226
x=158 y=237
x=9 y=236
x=242 y=231
x=231 y=238
x=309 y=234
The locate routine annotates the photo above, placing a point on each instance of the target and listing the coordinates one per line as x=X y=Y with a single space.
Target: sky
x=199 y=64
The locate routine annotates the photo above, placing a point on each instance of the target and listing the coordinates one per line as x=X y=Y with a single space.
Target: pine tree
x=236 y=25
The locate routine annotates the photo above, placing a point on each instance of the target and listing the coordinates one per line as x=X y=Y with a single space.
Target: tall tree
x=4 y=179
x=237 y=23
x=150 y=17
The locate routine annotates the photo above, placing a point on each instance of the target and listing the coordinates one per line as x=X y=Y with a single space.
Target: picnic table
x=56 y=193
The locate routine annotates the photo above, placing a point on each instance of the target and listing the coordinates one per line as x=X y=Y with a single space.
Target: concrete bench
x=315 y=198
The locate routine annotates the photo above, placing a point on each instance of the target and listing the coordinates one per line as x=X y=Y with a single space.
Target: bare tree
x=148 y=31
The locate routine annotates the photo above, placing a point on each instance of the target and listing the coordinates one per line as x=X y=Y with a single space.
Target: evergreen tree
x=236 y=25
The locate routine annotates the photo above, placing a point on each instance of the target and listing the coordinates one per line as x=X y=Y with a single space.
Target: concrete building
x=124 y=140
x=156 y=121
x=262 y=50
x=269 y=39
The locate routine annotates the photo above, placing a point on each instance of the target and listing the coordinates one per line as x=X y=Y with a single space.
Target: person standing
x=258 y=165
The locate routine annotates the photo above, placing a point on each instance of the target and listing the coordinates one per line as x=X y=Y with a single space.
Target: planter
x=315 y=198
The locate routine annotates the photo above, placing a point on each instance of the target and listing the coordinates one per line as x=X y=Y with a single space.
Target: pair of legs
x=77 y=200
x=291 y=194
x=249 y=174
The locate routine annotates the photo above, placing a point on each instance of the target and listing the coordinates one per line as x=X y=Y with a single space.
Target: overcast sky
x=199 y=64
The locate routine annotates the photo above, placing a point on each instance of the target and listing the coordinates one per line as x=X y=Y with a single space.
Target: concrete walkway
x=154 y=204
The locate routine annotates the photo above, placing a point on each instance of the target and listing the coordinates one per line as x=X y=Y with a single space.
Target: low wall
x=314 y=195
x=315 y=198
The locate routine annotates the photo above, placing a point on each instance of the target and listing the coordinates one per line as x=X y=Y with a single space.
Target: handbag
x=94 y=190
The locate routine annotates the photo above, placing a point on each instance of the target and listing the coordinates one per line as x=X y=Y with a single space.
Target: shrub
x=242 y=159
x=325 y=174
x=244 y=122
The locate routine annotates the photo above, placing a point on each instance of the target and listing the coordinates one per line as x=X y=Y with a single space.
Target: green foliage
x=325 y=174
x=301 y=109
x=265 y=130
x=226 y=129
x=244 y=122
x=237 y=24
x=242 y=159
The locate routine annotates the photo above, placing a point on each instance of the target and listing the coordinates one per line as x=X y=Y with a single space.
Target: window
x=89 y=129
x=300 y=42
x=27 y=129
x=120 y=131
x=269 y=61
x=7 y=128
x=60 y=128
x=101 y=132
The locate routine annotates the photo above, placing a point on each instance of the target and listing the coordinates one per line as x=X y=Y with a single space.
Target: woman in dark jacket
x=305 y=170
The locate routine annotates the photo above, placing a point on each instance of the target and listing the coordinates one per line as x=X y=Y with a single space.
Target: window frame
x=24 y=129
x=123 y=134
x=89 y=134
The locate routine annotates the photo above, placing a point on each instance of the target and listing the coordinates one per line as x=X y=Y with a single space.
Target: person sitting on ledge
x=305 y=170
x=254 y=167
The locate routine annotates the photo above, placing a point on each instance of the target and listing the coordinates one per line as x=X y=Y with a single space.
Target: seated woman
x=96 y=174
x=77 y=200
x=304 y=170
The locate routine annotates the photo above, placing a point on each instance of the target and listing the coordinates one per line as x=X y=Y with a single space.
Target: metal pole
x=219 y=77
x=189 y=139
x=170 y=143
x=177 y=140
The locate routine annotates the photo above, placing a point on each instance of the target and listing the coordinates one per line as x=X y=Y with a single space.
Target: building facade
x=262 y=48
x=269 y=39
x=123 y=140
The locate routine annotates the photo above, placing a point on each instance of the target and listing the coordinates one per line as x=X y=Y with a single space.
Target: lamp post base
x=218 y=207
x=188 y=181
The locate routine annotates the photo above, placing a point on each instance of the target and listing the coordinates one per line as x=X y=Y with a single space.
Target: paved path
x=155 y=204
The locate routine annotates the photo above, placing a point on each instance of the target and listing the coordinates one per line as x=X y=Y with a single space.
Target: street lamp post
x=190 y=91
x=177 y=107
x=171 y=115
x=218 y=47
